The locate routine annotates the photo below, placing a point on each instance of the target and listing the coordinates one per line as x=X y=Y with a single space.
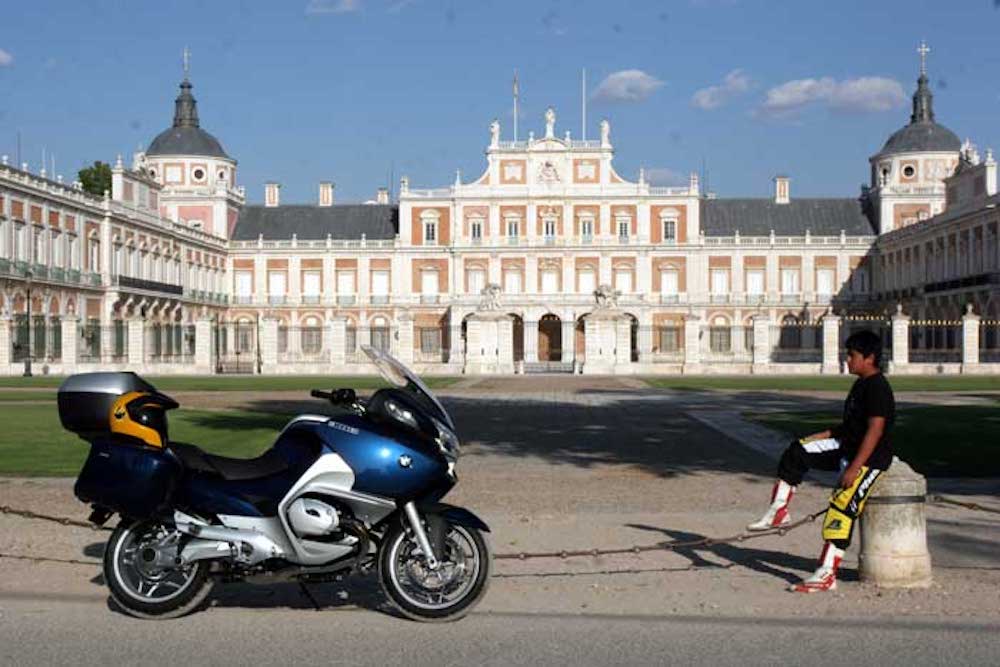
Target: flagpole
x=516 y=92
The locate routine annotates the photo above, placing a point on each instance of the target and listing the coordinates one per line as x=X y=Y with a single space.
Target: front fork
x=417 y=526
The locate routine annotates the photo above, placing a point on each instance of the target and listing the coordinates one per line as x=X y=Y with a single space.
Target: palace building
x=549 y=260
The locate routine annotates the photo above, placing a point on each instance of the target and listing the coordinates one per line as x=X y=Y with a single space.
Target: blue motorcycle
x=357 y=491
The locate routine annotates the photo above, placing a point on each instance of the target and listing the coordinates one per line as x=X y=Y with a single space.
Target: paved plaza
x=553 y=463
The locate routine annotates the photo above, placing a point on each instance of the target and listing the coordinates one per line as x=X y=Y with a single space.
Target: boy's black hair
x=866 y=343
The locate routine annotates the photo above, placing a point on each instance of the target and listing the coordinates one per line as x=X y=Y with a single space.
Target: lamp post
x=27 y=357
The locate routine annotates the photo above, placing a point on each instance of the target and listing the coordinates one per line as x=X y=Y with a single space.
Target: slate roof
x=757 y=217
x=186 y=141
x=922 y=137
x=341 y=221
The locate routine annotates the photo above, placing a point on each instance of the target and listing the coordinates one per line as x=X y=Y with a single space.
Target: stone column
x=970 y=340
x=531 y=341
x=568 y=340
x=623 y=349
x=692 y=344
x=5 y=342
x=645 y=339
x=136 y=342
x=336 y=332
x=831 y=344
x=505 y=345
x=70 y=324
x=269 y=344
x=900 y=339
x=404 y=350
x=894 y=531
x=599 y=335
x=204 y=348
x=455 y=351
x=761 y=343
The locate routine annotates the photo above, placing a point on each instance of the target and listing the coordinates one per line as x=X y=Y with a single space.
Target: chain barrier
x=962 y=503
x=28 y=514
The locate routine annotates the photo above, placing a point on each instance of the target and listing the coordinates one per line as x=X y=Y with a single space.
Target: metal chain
x=663 y=546
x=28 y=514
x=962 y=503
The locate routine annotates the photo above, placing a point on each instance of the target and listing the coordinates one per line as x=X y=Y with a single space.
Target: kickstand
x=305 y=591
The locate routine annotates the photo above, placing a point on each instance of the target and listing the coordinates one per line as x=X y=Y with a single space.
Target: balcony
x=135 y=283
x=756 y=299
x=243 y=299
x=277 y=299
x=380 y=299
x=347 y=299
x=794 y=298
x=430 y=298
x=670 y=298
x=311 y=299
x=513 y=240
x=718 y=298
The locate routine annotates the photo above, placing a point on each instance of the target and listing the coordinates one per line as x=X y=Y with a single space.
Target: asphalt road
x=80 y=634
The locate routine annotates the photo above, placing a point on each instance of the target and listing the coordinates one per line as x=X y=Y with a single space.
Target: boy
x=861 y=442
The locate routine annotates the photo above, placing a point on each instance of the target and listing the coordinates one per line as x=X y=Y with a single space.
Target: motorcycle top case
x=132 y=480
x=85 y=400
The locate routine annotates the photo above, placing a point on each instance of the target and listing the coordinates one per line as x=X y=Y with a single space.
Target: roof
x=757 y=217
x=341 y=221
x=186 y=141
x=922 y=137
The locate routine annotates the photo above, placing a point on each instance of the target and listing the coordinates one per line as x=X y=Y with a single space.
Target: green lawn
x=839 y=383
x=950 y=441
x=237 y=383
x=33 y=442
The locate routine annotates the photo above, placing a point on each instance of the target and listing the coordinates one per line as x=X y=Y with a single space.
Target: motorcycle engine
x=310 y=517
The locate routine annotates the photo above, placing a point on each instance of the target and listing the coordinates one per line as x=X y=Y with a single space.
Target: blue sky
x=350 y=90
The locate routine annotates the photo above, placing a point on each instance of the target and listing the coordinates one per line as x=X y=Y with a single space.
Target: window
x=429 y=282
x=669 y=229
x=199 y=174
x=430 y=231
x=476 y=279
x=311 y=336
x=789 y=281
x=95 y=255
x=549 y=228
x=669 y=339
x=587 y=228
x=755 y=281
x=909 y=171
x=430 y=341
x=623 y=227
x=476 y=229
x=58 y=251
x=380 y=335
x=512 y=282
x=588 y=281
x=720 y=281
x=116 y=259
x=19 y=245
x=74 y=252
x=40 y=247
x=345 y=283
x=380 y=283
x=311 y=283
x=513 y=227
x=623 y=280
x=550 y=281
x=860 y=278
x=824 y=282
x=669 y=282
x=720 y=337
x=276 y=283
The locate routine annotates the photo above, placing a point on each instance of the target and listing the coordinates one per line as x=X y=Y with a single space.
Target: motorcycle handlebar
x=336 y=397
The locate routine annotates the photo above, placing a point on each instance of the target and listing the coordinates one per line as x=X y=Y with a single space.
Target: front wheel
x=142 y=583
x=444 y=594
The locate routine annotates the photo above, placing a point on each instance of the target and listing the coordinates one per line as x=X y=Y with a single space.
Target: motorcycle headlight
x=401 y=414
x=447 y=441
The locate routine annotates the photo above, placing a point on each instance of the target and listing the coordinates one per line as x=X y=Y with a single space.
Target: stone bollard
x=894 y=531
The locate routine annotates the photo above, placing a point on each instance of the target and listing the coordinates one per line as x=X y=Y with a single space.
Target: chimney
x=383 y=196
x=782 y=193
x=325 y=193
x=272 y=194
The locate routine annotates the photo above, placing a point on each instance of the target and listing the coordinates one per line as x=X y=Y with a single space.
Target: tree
x=97 y=179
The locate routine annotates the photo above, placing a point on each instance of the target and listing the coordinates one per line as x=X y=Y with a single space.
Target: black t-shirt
x=869 y=397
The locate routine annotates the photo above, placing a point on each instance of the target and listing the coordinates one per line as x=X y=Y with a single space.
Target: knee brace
x=846 y=506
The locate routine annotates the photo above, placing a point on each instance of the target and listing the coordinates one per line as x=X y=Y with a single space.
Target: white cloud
x=713 y=97
x=665 y=176
x=630 y=85
x=332 y=6
x=5 y=58
x=864 y=94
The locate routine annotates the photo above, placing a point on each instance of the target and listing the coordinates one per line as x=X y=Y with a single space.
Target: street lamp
x=27 y=357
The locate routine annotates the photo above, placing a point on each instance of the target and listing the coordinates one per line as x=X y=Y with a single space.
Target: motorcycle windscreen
x=395 y=373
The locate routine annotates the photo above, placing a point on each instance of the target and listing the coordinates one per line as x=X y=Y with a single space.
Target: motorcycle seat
x=196 y=459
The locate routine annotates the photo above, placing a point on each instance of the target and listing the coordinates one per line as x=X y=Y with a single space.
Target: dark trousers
x=817 y=455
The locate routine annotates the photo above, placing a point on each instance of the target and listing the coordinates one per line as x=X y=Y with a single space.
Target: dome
x=922 y=137
x=923 y=134
x=186 y=141
x=186 y=137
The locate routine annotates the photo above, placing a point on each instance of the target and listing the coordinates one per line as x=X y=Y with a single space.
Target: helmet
x=143 y=416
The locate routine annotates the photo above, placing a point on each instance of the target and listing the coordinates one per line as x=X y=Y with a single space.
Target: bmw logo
x=405 y=461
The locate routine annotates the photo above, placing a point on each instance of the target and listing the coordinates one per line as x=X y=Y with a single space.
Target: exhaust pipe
x=211 y=542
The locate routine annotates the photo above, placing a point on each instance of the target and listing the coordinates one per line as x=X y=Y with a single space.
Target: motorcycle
x=349 y=493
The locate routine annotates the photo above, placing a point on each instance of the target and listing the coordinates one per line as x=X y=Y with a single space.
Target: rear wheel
x=446 y=593
x=142 y=583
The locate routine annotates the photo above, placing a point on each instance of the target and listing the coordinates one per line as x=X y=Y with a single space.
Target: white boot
x=825 y=576
x=777 y=514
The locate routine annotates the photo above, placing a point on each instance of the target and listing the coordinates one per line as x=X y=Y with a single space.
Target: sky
x=361 y=92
